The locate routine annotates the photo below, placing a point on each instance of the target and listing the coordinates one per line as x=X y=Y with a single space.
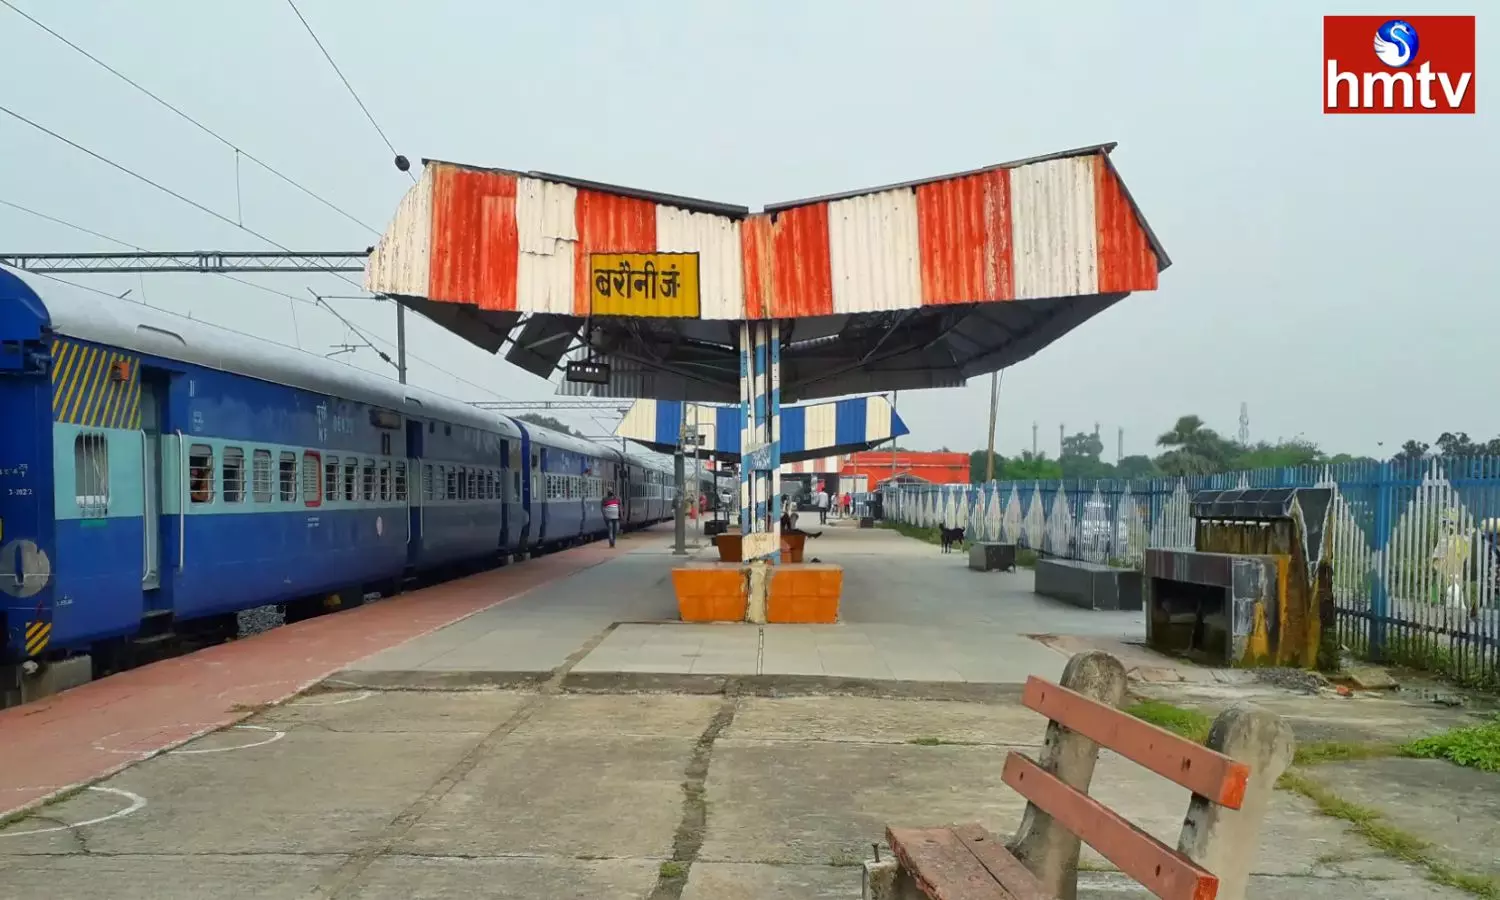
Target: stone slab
x=988 y=557
x=1089 y=585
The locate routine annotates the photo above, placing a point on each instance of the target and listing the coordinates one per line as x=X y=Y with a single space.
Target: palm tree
x=1193 y=448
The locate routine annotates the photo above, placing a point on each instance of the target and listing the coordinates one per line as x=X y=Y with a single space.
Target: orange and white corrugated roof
x=513 y=242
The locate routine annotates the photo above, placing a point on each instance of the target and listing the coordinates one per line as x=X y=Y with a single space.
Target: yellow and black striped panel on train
x=37 y=635
x=95 y=387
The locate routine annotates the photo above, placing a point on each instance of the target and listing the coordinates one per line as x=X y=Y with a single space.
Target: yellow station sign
x=660 y=285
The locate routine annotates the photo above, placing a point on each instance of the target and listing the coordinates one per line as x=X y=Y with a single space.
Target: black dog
x=950 y=536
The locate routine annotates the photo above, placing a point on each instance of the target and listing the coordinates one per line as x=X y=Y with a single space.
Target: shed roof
x=919 y=284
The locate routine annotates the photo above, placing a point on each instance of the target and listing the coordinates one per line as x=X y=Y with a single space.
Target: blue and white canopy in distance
x=807 y=432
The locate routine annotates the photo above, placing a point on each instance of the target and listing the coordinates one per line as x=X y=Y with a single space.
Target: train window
x=234 y=475
x=260 y=476
x=427 y=482
x=201 y=473
x=367 y=482
x=330 y=478
x=351 y=479
x=312 y=474
x=287 y=476
x=451 y=482
x=91 y=473
x=492 y=481
x=400 y=482
x=383 y=479
x=515 y=487
x=385 y=444
x=473 y=482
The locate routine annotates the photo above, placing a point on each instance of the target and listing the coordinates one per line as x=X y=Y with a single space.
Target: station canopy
x=813 y=431
x=916 y=285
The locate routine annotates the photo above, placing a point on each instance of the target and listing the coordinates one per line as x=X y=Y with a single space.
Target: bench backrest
x=1220 y=784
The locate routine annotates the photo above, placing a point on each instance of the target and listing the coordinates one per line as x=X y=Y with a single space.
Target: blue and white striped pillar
x=760 y=445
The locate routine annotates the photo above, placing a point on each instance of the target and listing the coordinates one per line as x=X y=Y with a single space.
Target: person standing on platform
x=821 y=499
x=611 y=508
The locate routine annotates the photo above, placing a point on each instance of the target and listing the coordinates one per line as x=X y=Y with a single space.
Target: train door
x=418 y=489
x=503 y=493
x=539 y=495
x=153 y=403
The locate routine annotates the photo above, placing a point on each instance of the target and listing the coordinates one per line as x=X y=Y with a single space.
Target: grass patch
x=671 y=869
x=1315 y=752
x=1473 y=746
x=1188 y=723
x=1389 y=839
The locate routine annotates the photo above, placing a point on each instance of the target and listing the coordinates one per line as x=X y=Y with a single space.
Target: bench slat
x=1007 y=870
x=1193 y=766
x=1160 y=869
x=943 y=867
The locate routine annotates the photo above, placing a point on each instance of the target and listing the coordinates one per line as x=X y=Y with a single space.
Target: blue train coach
x=158 y=475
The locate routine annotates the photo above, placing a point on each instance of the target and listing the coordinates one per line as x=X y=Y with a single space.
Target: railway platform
x=544 y=730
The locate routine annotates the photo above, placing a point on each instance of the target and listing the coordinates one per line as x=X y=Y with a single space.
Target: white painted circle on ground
x=317 y=700
x=274 y=737
x=137 y=803
x=379 y=526
x=153 y=738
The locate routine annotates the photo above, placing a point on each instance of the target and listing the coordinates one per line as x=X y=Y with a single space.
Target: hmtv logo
x=1383 y=64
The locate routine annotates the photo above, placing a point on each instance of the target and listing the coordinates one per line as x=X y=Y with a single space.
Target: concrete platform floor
x=566 y=744
x=909 y=613
x=543 y=793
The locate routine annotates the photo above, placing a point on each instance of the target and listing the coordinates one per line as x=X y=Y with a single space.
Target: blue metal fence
x=1415 y=544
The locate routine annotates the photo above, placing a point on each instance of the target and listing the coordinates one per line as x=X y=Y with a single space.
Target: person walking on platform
x=821 y=499
x=611 y=508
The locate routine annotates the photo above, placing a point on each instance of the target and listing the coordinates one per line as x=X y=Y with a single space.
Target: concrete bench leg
x=1222 y=840
x=1046 y=848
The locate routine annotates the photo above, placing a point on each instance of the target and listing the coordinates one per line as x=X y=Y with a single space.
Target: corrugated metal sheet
x=1127 y=261
x=853 y=423
x=822 y=425
x=717 y=242
x=755 y=250
x=877 y=417
x=1052 y=215
x=872 y=251
x=473 y=238
x=547 y=245
x=401 y=263
x=801 y=280
x=608 y=223
x=964 y=235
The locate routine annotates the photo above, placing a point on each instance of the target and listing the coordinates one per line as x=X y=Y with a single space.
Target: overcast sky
x=1336 y=273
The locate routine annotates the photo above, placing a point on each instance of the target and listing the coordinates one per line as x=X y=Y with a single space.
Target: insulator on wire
x=402 y=163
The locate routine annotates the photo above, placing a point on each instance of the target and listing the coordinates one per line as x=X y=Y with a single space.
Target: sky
x=1331 y=272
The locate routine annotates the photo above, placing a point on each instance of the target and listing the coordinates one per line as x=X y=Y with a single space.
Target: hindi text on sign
x=644 y=284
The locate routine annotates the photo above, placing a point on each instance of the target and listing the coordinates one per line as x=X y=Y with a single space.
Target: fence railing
x=1415 y=544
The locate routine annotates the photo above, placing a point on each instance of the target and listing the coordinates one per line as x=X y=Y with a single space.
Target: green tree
x=978 y=467
x=1284 y=454
x=1139 y=466
x=1027 y=467
x=1193 y=449
x=1080 y=457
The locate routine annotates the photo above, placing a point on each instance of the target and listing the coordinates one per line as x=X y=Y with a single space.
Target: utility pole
x=1034 y=427
x=1061 y=431
x=400 y=341
x=1120 y=445
x=679 y=475
x=894 y=395
x=989 y=460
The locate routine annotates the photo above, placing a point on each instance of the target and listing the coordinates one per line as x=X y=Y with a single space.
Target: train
x=159 y=475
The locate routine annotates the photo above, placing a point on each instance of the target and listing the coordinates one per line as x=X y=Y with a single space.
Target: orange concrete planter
x=710 y=593
x=729 y=546
x=806 y=593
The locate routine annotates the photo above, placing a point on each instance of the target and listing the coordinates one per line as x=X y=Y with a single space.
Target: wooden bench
x=1231 y=779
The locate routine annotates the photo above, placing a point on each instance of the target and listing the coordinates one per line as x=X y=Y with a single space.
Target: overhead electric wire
x=199 y=125
x=337 y=71
x=134 y=174
x=320 y=301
